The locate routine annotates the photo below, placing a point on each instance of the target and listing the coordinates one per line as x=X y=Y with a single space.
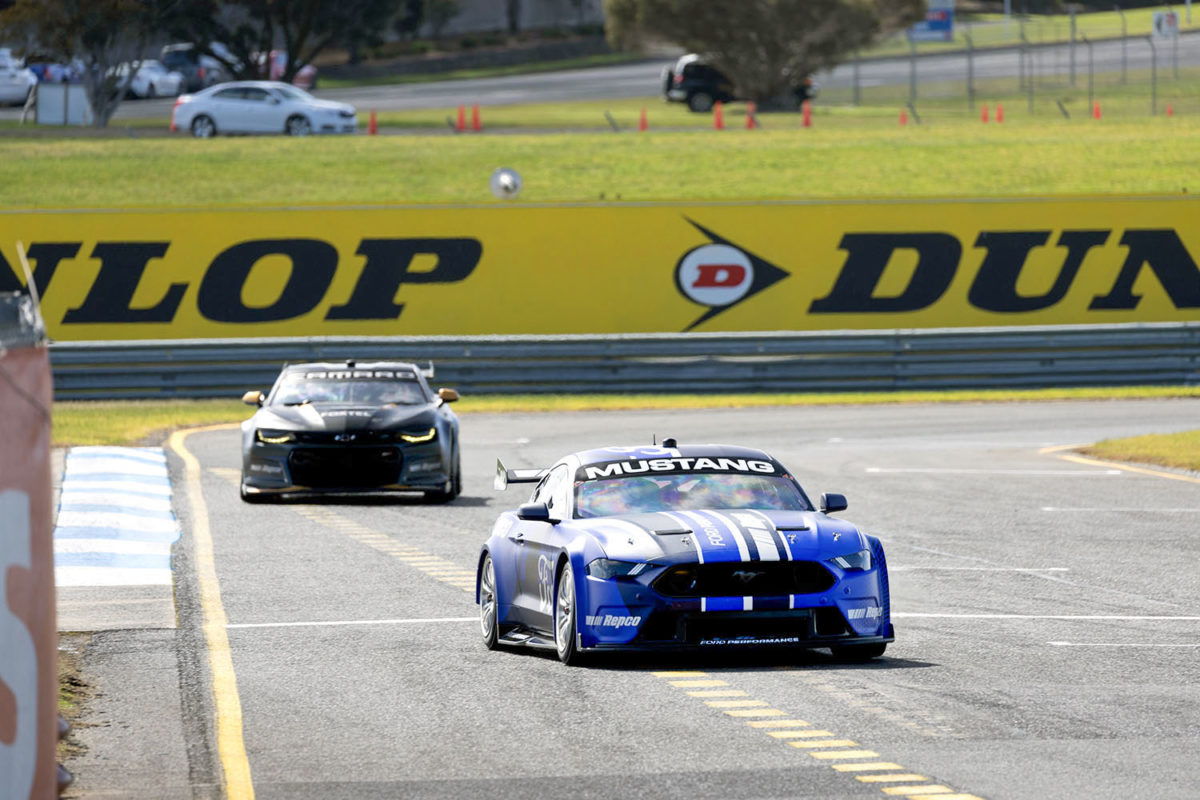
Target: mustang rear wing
x=506 y=476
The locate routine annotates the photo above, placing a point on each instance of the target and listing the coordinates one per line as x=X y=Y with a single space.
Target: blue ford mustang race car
x=700 y=546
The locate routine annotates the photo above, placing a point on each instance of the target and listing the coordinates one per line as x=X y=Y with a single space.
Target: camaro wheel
x=298 y=126
x=489 y=622
x=454 y=487
x=564 y=617
x=858 y=652
x=203 y=127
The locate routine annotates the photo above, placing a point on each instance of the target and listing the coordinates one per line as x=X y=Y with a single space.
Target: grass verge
x=583 y=62
x=855 y=153
x=1178 y=450
x=147 y=421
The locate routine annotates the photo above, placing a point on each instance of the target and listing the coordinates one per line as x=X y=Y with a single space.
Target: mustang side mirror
x=832 y=501
x=534 y=512
x=254 y=398
x=447 y=395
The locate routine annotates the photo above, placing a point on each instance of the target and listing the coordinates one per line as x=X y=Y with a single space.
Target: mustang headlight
x=268 y=436
x=419 y=437
x=853 y=562
x=605 y=569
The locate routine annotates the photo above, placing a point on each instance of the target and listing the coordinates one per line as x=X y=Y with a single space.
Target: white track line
x=915 y=615
x=1147 y=510
x=351 y=622
x=1066 y=473
x=982 y=569
x=1115 y=644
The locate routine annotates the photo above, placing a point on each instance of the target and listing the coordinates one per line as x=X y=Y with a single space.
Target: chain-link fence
x=1073 y=73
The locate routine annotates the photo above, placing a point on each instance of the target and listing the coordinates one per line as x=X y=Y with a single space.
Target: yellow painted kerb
x=227 y=705
x=1060 y=451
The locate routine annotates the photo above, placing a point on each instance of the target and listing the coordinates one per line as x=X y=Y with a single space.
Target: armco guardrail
x=1158 y=353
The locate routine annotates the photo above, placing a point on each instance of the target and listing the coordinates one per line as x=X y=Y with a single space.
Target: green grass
x=850 y=153
x=1178 y=450
x=110 y=422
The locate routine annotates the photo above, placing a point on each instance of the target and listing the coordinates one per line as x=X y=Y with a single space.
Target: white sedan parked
x=260 y=107
x=152 y=79
x=16 y=81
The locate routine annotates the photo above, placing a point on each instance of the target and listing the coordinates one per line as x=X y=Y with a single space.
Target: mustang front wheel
x=564 y=617
x=489 y=622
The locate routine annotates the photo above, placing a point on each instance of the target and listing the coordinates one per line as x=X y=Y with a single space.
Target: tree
x=100 y=34
x=439 y=13
x=248 y=29
x=512 y=9
x=766 y=47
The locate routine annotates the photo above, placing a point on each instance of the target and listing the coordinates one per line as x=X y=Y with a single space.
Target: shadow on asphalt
x=741 y=661
x=462 y=501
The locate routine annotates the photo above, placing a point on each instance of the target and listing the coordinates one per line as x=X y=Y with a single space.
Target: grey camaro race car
x=351 y=427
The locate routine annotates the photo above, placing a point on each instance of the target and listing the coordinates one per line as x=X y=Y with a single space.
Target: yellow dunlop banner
x=514 y=269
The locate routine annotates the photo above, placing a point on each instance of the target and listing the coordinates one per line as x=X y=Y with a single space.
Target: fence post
x=1071 y=46
x=912 y=72
x=970 y=71
x=857 y=82
x=1153 y=77
x=1091 y=74
x=1124 y=46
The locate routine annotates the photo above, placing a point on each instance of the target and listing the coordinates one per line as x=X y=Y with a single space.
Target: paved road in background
x=1046 y=613
x=644 y=79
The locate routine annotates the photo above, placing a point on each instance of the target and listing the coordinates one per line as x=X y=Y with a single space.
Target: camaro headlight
x=605 y=569
x=419 y=436
x=268 y=436
x=853 y=562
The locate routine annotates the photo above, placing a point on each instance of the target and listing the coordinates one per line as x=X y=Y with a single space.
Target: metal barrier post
x=1091 y=74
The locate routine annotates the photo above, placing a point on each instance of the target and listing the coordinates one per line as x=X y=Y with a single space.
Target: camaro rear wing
x=506 y=476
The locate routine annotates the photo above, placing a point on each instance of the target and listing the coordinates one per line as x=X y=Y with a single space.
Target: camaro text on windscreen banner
x=523 y=269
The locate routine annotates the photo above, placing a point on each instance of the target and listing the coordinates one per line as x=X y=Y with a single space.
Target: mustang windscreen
x=361 y=387
x=686 y=491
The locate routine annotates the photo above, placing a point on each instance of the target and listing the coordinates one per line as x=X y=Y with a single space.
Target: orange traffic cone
x=806 y=113
x=1170 y=110
x=983 y=117
x=642 y=124
x=1096 y=110
x=461 y=124
x=903 y=117
x=999 y=112
x=751 y=122
x=718 y=116
x=372 y=124
x=476 y=125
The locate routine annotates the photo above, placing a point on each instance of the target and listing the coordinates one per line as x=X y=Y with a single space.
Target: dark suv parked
x=699 y=84
x=198 y=71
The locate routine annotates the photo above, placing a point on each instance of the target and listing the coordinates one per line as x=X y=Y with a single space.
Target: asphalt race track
x=1046 y=614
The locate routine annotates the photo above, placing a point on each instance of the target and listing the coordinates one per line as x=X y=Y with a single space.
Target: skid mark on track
x=843 y=755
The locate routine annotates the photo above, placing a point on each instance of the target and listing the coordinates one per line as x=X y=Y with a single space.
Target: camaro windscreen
x=359 y=387
x=686 y=491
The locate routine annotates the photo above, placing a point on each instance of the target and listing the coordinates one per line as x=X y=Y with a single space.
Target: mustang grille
x=744 y=579
x=357 y=466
